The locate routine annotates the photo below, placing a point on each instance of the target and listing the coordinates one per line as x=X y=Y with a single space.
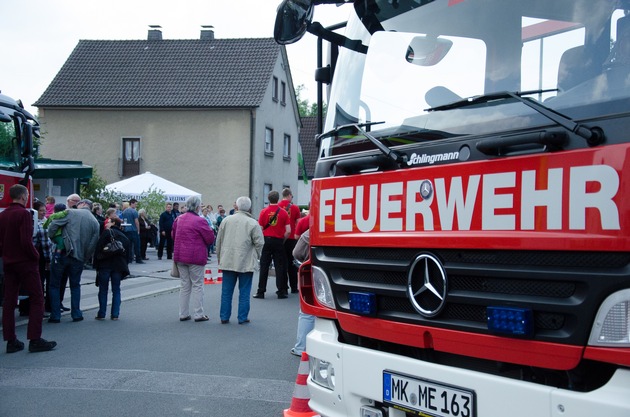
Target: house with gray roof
x=218 y=116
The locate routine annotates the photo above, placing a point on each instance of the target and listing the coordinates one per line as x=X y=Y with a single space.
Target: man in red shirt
x=21 y=269
x=276 y=227
x=294 y=215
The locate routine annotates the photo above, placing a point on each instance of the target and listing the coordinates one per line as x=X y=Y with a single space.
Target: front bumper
x=359 y=376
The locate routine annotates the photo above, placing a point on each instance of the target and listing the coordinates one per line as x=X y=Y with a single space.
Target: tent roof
x=134 y=187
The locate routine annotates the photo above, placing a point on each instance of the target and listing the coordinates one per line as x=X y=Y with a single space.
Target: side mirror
x=427 y=51
x=26 y=145
x=292 y=20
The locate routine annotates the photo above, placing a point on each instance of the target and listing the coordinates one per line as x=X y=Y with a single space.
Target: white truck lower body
x=359 y=381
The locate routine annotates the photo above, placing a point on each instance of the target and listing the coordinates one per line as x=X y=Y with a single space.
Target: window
x=131 y=157
x=286 y=149
x=283 y=91
x=274 y=89
x=269 y=141
x=266 y=190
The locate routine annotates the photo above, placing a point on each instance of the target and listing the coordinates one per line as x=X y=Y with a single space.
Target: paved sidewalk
x=151 y=278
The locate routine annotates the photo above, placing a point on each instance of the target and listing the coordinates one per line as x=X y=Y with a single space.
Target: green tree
x=153 y=202
x=306 y=108
x=95 y=191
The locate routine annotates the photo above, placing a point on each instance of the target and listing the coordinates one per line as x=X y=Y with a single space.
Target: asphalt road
x=148 y=363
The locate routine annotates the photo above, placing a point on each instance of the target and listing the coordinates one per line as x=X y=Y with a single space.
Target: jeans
x=134 y=238
x=306 y=322
x=104 y=276
x=73 y=268
x=244 y=291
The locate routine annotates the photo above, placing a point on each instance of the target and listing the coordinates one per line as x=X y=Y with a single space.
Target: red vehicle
x=470 y=238
x=17 y=128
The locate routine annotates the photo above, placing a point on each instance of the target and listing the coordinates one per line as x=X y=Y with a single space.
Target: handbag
x=175 y=270
x=111 y=248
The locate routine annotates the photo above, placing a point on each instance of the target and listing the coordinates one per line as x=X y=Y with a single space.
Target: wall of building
x=207 y=151
x=281 y=117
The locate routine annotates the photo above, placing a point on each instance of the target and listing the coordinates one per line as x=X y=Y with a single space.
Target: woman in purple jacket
x=191 y=235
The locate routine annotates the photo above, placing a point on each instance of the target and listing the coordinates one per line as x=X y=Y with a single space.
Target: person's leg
x=32 y=286
x=64 y=281
x=160 y=250
x=74 y=275
x=56 y=274
x=144 y=242
x=130 y=236
x=103 y=288
x=265 y=263
x=227 y=291
x=169 y=245
x=244 y=290
x=196 y=277
x=9 y=302
x=137 y=247
x=184 y=290
x=289 y=245
x=280 y=263
x=116 y=277
x=306 y=322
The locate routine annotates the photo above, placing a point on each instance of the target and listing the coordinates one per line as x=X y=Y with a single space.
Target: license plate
x=427 y=398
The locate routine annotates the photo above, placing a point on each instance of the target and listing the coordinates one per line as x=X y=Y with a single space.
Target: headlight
x=323 y=292
x=322 y=373
x=612 y=323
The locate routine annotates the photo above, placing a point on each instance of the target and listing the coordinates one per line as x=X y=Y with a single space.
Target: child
x=59 y=212
x=50 y=205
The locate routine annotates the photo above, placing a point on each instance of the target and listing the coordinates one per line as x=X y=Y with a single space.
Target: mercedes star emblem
x=426 y=286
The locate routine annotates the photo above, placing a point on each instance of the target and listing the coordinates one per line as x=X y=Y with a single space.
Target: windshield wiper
x=357 y=128
x=593 y=135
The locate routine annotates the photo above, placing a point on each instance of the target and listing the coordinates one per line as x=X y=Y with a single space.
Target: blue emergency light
x=511 y=320
x=362 y=303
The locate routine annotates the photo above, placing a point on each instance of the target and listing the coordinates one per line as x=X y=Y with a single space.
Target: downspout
x=252 y=136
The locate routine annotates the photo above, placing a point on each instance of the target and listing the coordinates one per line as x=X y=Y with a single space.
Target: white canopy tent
x=135 y=187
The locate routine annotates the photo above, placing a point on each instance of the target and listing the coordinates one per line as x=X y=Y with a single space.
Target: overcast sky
x=37 y=36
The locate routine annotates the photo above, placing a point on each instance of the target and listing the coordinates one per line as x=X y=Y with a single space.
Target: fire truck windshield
x=9 y=151
x=573 y=56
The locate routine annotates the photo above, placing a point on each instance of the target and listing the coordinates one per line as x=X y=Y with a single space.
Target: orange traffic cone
x=220 y=277
x=299 y=402
x=207 y=279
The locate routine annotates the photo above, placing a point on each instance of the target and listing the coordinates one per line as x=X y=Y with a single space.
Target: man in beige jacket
x=239 y=245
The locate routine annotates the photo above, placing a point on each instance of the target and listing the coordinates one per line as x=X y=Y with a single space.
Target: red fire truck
x=17 y=128
x=470 y=239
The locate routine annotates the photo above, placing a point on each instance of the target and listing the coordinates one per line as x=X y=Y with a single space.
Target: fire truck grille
x=563 y=289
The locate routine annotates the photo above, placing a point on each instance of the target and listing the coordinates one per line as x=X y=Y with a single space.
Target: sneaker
x=295 y=352
x=259 y=295
x=99 y=318
x=41 y=345
x=64 y=308
x=14 y=346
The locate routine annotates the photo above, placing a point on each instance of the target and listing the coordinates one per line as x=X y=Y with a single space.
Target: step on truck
x=470 y=232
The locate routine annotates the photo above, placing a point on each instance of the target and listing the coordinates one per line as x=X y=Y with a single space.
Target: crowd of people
x=70 y=237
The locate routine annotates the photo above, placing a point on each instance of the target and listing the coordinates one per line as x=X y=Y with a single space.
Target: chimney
x=207 y=34
x=155 y=33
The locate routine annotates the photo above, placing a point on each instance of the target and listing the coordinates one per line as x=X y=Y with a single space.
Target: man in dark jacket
x=166 y=227
x=21 y=269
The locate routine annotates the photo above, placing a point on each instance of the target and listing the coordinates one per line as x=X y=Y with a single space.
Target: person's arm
x=301 y=250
